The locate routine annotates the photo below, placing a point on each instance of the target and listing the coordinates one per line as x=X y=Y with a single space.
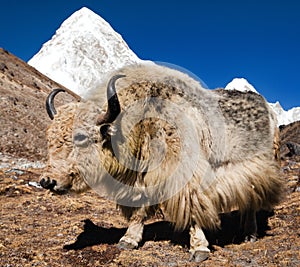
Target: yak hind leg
x=134 y=232
x=198 y=245
x=250 y=226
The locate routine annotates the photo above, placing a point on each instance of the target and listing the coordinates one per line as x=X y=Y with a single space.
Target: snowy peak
x=283 y=117
x=82 y=51
x=240 y=84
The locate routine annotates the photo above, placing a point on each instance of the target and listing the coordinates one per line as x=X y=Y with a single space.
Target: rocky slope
x=290 y=133
x=23 y=118
x=290 y=137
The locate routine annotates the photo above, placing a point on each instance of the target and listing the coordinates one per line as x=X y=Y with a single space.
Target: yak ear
x=107 y=130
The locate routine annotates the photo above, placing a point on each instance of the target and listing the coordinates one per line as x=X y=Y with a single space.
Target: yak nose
x=48 y=183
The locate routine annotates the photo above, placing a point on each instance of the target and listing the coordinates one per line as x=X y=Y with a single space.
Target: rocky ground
x=39 y=228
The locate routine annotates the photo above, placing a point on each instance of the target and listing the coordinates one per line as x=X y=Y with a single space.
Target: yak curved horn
x=50 y=99
x=49 y=102
x=113 y=109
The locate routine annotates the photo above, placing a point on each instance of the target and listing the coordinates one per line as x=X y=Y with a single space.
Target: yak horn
x=49 y=102
x=113 y=109
x=50 y=99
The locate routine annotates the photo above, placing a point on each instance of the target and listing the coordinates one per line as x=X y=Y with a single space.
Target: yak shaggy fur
x=192 y=152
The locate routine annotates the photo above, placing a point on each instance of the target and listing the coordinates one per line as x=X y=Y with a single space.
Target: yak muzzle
x=52 y=186
x=48 y=184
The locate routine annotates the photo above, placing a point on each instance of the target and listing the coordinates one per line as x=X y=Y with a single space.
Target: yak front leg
x=134 y=232
x=198 y=245
x=250 y=226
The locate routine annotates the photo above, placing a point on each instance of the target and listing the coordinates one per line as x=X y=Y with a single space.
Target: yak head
x=76 y=139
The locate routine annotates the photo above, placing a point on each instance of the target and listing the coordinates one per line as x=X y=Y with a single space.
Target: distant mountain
x=86 y=47
x=240 y=84
x=284 y=117
x=83 y=49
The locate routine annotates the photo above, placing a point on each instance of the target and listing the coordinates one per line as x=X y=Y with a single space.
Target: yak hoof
x=250 y=238
x=199 y=256
x=126 y=245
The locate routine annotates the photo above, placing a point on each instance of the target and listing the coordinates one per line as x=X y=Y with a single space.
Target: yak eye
x=80 y=139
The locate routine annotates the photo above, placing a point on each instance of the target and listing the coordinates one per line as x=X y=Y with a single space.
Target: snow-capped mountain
x=283 y=117
x=83 y=49
x=86 y=47
x=240 y=84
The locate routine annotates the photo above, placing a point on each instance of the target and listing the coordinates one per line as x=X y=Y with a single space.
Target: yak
x=157 y=140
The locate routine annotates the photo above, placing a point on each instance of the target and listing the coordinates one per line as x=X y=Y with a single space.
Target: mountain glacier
x=86 y=47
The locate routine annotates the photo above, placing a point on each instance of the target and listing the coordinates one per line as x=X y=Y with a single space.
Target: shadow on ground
x=230 y=232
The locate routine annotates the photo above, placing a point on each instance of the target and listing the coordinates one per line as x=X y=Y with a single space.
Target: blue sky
x=215 y=39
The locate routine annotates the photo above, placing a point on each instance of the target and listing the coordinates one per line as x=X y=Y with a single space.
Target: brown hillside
x=289 y=133
x=23 y=118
